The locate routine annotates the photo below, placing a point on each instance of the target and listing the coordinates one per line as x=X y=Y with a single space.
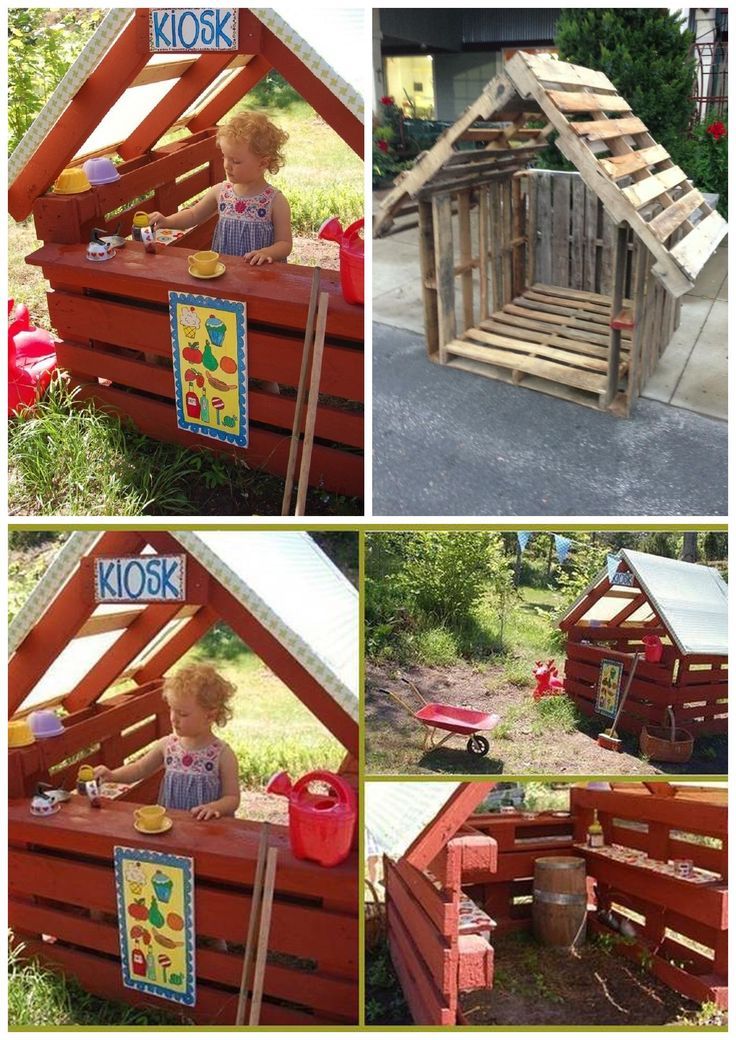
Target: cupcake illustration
x=162 y=885
x=215 y=330
x=189 y=320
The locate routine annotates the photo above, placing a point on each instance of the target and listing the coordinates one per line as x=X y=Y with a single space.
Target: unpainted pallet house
x=686 y=606
x=456 y=876
x=155 y=114
x=566 y=283
x=101 y=665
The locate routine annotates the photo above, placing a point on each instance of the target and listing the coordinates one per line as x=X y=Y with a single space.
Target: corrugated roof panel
x=396 y=813
x=692 y=598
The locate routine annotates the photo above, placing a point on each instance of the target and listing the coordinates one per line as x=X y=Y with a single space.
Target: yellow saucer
x=165 y=826
x=220 y=269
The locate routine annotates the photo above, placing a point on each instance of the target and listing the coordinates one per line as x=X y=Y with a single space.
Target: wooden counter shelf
x=113 y=322
x=61 y=866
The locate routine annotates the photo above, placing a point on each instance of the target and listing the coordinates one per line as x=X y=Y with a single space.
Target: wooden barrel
x=560 y=900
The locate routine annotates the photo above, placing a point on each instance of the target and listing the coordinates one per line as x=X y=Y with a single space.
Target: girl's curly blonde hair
x=210 y=690
x=264 y=138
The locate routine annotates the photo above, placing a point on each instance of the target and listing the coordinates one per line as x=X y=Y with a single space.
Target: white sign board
x=193 y=29
x=140 y=579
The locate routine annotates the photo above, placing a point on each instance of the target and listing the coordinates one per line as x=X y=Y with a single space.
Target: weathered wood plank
x=642 y=192
x=694 y=249
x=445 y=271
x=618 y=166
x=573 y=101
x=607 y=129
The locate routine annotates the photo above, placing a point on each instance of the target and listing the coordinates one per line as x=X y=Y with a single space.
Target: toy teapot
x=98 y=250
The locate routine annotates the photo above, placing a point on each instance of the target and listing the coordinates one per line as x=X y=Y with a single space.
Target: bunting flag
x=612 y=563
x=523 y=539
x=562 y=547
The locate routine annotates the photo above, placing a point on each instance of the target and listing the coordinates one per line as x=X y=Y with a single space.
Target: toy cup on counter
x=683 y=868
x=150 y=817
x=204 y=262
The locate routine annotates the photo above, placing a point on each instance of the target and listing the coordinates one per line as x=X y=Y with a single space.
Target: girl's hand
x=258 y=257
x=155 y=218
x=205 y=812
x=102 y=773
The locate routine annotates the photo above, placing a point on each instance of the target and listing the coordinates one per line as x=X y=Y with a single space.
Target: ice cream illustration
x=215 y=330
x=135 y=875
x=162 y=885
x=189 y=320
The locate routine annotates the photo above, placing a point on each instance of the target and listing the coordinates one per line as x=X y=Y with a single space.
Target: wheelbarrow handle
x=400 y=700
x=414 y=689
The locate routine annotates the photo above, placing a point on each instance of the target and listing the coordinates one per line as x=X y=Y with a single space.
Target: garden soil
x=537 y=985
x=394 y=737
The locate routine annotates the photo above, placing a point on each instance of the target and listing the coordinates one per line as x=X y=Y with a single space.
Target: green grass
x=38 y=996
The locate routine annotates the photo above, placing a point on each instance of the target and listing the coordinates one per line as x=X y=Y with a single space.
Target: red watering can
x=351 y=256
x=653 y=649
x=321 y=826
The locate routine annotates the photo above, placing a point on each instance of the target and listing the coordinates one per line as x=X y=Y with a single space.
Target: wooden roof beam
x=229 y=96
x=196 y=78
x=174 y=648
x=61 y=620
x=124 y=60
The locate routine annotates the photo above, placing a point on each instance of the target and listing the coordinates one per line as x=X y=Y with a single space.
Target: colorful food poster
x=155 y=893
x=609 y=687
x=209 y=344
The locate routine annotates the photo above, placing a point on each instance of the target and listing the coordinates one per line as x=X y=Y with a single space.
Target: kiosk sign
x=140 y=579
x=193 y=29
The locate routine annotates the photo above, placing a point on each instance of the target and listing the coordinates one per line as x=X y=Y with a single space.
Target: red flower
x=386 y=100
x=716 y=130
x=383 y=145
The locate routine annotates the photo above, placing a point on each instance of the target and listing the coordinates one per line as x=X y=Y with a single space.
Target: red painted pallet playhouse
x=61 y=866
x=112 y=317
x=685 y=606
x=468 y=876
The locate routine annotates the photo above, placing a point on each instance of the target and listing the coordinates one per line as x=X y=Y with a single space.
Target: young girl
x=201 y=770
x=255 y=220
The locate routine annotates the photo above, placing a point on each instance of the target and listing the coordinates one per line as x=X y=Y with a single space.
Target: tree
x=646 y=55
x=689 y=547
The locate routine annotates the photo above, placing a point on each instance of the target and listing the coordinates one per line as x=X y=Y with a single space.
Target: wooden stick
x=255 y=905
x=299 y=406
x=624 y=695
x=319 y=346
x=263 y=934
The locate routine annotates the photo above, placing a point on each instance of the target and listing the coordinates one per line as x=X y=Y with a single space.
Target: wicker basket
x=375 y=918
x=666 y=743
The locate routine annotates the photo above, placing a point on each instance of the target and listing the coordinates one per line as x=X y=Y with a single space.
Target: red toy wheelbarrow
x=463 y=721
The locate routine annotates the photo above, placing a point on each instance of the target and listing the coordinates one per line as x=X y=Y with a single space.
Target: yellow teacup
x=150 y=817
x=204 y=262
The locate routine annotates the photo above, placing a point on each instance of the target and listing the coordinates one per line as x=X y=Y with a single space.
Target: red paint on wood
x=174 y=649
x=184 y=92
x=121 y=64
x=475 y=968
x=440 y=906
x=60 y=622
x=437 y=952
x=313 y=90
x=331 y=469
x=216 y=109
x=124 y=650
x=447 y=822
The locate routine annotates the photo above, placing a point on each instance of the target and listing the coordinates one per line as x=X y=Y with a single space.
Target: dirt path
x=537 y=985
x=394 y=738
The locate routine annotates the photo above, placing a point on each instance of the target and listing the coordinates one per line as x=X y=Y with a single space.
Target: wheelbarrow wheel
x=478 y=745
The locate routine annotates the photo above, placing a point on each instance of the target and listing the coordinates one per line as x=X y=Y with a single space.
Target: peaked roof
x=419 y=817
x=634 y=177
x=120 y=98
x=690 y=599
x=281 y=578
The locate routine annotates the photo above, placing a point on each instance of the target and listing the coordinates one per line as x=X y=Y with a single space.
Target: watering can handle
x=343 y=789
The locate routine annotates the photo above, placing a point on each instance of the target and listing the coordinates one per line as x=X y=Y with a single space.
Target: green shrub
x=704 y=157
x=518 y=673
x=436 y=646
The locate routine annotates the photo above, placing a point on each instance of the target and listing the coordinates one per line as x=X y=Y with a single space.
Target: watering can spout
x=280 y=783
x=331 y=230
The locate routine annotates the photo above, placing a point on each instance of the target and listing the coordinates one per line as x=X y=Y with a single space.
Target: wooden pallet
x=549 y=338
